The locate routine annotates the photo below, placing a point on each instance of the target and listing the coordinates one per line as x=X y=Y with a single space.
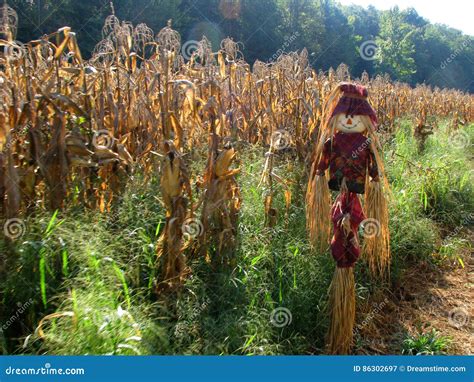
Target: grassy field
x=81 y=282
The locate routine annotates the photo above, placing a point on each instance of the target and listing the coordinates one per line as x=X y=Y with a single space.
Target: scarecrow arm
x=325 y=156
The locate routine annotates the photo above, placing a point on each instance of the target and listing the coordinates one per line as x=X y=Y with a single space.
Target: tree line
x=398 y=42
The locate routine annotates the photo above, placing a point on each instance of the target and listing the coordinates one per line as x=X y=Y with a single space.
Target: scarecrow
x=346 y=160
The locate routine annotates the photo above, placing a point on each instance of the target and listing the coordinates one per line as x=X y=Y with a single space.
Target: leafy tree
x=395 y=45
x=261 y=30
x=338 y=43
x=364 y=23
x=304 y=19
x=37 y=17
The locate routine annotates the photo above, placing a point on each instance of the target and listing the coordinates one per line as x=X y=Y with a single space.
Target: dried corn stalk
x=176 y=191
x=72 y=130
x=221 y=198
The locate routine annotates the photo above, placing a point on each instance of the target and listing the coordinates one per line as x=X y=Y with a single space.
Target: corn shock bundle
x=318 y=206
x=176 y=192
x=221 y=198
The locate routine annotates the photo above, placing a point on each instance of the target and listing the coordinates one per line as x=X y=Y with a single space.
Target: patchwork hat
x=354 y=101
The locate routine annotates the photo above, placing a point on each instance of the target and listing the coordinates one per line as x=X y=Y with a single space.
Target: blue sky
x=454 y=13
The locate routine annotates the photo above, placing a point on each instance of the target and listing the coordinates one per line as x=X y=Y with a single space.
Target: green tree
x=410 y=48
x=338 y=42
x=37 y=17
x=86 y=18
x=304 y=19
x=261 y=30
x=364 y=23
x=395 y=46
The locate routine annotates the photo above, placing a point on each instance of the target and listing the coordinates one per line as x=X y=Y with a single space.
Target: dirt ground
x=429 y=296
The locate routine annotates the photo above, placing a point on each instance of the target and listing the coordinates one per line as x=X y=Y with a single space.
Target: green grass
x=102 y=268
x=432 y=190
x=425 y=342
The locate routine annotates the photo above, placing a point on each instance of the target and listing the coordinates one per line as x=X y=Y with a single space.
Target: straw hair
x=318 y=197
x=376 y=247
x=342 y=311
x=327 y=126
x=318 y=210
x=376 y=147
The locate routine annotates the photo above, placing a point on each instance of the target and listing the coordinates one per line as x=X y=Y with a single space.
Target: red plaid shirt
x=345 y=247
x=348 y=155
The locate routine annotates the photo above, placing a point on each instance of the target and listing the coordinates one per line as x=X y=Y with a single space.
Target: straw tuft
x=342 y=311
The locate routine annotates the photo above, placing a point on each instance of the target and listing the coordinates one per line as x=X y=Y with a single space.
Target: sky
x=454 y=13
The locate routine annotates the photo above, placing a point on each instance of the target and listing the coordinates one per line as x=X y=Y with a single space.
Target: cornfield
x=73 y=131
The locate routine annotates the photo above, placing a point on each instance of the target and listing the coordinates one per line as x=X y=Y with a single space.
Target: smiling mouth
x=350 y=126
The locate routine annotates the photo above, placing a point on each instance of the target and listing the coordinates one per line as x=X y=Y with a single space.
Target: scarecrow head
x=348 y=145
x=352 y=113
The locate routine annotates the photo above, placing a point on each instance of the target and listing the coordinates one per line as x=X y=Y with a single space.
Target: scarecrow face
x=349 y=123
